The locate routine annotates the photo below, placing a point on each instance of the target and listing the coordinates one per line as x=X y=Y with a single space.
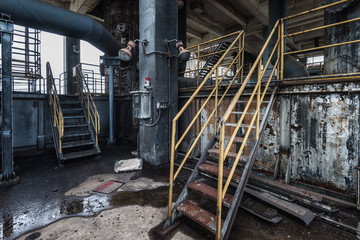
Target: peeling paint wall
x=313 y=136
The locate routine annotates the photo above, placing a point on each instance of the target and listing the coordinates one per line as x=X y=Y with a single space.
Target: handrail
x=88 y=101
x=257 y=92
x=238 y=59
x=58 y=119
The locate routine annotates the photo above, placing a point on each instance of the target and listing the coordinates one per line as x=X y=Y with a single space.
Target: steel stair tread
x=244 y=101
x=198 y=214
x=241 y=125
x=74 y=116
x=209 y=192
x=71 y=125
x=77 y=134
x=216 y=151
x=214 y=170
x=72 y=109
x=236 y=139
x=77 y=144
x=252 y=113
x=79 y=154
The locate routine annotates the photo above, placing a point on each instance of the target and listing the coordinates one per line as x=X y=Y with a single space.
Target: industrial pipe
x=43 y=16
x=292 y=67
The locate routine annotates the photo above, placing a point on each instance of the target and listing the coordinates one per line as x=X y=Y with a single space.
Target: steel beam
x=6 y=35
x=111 y=104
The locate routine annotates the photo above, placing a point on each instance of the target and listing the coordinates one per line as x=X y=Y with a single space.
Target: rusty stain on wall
x=323 y=135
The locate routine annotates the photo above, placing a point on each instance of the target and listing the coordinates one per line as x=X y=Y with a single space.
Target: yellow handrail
x=238 y=41
x=58 y=119
x=258 y=93
x=88 y=101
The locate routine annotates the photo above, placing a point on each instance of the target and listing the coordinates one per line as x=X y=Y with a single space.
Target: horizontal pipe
x=47 y=17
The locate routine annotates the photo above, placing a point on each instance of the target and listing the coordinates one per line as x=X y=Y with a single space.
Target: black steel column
x=158 y=21
x=71 y=59
x=6 y=34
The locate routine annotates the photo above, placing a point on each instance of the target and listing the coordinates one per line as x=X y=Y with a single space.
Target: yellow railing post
x=216 y=99
x=242 y=57
x=220 y=181
x=258 y=100
x=282 y=49
x=198 y=66
x=172 y=159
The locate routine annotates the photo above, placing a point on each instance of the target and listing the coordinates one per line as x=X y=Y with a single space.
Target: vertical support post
x=220 y=182
x=216 y=100
x=6 y=34
x=242 y=57
x=258 y=100
x=278 y=53
x=358 y=190
x=111 y=104
x=198 y=66
x=282 y=49
x=172 y=159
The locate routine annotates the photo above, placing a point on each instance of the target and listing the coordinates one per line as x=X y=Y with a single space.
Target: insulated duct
x=292 y=67
x=43 y=16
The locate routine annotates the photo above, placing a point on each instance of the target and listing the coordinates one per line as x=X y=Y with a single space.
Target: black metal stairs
x=213 y=59
x=206 y=171
x=78 y=140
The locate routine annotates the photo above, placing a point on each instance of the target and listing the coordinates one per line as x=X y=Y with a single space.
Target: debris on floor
x=108 y=187
x=127 y=165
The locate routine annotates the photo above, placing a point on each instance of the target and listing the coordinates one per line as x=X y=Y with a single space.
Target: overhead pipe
x=47 y=17
x=292 y=67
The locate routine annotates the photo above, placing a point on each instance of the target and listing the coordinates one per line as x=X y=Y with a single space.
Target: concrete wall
x=317 y=133
x=31 y=119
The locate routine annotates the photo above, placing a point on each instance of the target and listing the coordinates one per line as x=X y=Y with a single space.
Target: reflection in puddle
x=14 y=226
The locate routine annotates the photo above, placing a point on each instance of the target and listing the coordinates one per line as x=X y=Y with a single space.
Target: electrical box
x=141 y=104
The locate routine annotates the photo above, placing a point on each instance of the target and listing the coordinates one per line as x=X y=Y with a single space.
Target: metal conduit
x=43 y=16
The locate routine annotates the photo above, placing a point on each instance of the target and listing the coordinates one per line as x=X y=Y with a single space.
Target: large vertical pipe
x=8 y=173
x=158 y=21
x=71 y=59
x=111 y=104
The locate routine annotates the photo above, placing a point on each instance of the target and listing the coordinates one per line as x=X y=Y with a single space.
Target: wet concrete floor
x=55 y=203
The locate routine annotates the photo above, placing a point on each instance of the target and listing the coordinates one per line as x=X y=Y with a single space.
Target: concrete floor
x=55 y=203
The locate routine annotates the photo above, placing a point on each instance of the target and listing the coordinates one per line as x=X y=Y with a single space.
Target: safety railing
x=258 y=92
x=58 y=119
x=87 y=100
x=206 y=54
x=236 y=44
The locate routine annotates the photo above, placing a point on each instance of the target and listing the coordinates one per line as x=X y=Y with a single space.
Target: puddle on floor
x=70 y=206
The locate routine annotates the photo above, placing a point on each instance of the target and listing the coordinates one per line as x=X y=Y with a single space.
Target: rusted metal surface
x=199 y=215
x=213 y=170
x=302 y=213
x=215 y=152
x=209 y=192
x=312 y=136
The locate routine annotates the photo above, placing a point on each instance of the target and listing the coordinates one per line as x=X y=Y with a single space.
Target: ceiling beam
x=83 y=6
x=193 y=35
x=256 y=10
x=204 y=24
x=228 y=10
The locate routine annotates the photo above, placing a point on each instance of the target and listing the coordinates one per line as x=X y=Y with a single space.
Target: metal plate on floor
x=108 y=187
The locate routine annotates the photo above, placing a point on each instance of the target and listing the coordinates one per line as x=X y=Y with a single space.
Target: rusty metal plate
x=108 y=187
x=199 y=215
x=209 y=192
x=213 y=170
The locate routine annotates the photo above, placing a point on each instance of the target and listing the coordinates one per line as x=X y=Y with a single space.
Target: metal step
x=80 y=154
x=73 y=125
x=77 y=134
x=250 y=205
x=198 y=214
x=252 y=102
x=74 y=116
x=72 y=109
x=251 y=113
x=236 y=139
x=214 y=170
x=209 y=192
x=216 y=152
x=77 y=144
x=241 y=125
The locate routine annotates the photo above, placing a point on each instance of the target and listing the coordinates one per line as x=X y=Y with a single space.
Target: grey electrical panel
x=141 y=104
